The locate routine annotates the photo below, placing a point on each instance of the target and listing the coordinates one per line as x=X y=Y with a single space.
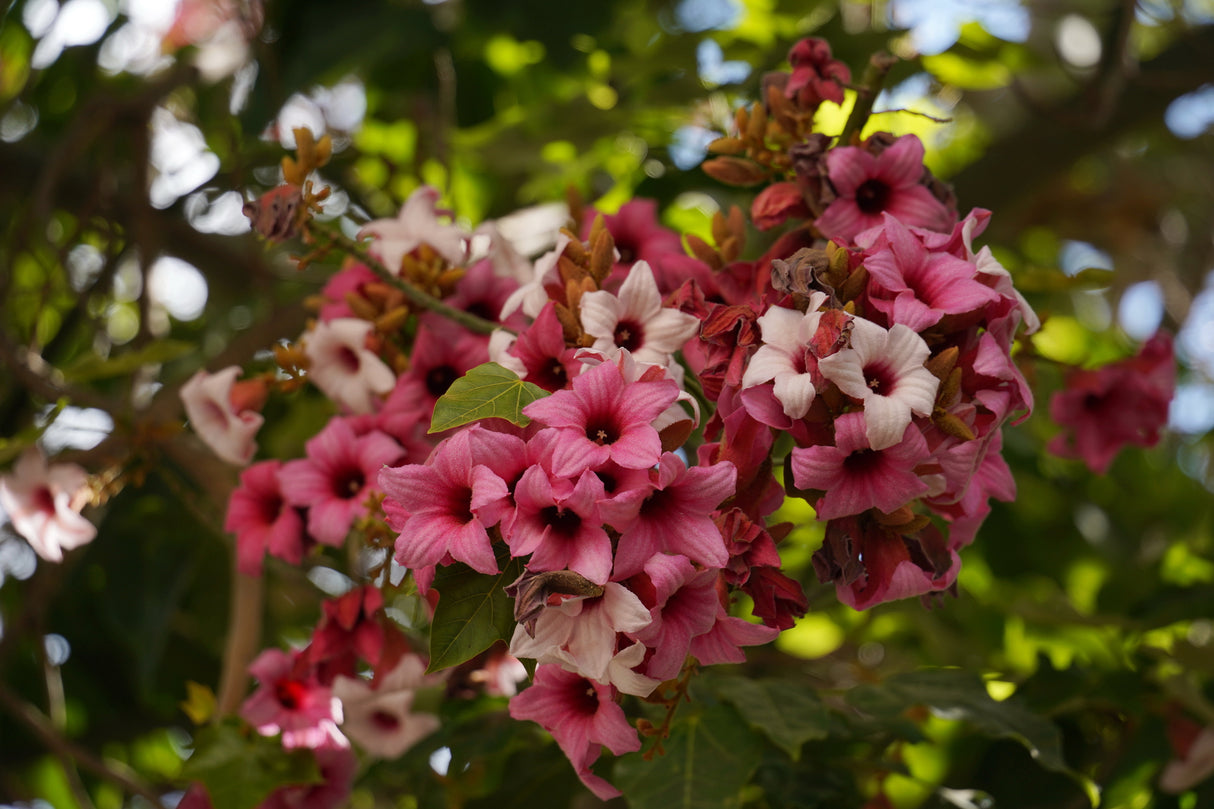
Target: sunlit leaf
x=473 y=611
x=487 y=391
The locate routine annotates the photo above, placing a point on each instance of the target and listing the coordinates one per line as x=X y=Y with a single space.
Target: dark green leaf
x=473 y=611
x=240 y=768
x=487 y=391
x=709 y=758
x=787 y=713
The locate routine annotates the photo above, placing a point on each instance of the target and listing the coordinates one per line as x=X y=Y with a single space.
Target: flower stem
x=879 y=65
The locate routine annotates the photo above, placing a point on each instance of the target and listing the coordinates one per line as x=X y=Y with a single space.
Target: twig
x=879 y=65
x=41 y=727
x=466 y=319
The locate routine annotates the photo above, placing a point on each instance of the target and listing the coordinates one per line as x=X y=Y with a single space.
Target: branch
x=879 y=65
x=427 y=301
x=41 y=727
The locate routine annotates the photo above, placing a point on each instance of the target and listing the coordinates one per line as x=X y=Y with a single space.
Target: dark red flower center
x=629 y=334
x=439 y=378
x=564 y=522
x=382 y=720
x=348 y=360
x=872 y=196
x=862 y=462
x=348 y=482
x=290 y=693
x=879 y=378
x=44 y=500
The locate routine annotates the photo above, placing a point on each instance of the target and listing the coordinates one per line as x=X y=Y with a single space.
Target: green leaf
x=91 y=366
x=487 y=391
x=787 y=713
x=957 y=694
x=709 y=757
x=473 y=611
x=240 y=768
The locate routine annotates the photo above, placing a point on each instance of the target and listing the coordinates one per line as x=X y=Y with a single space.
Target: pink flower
x=263 y=520
x=854 y=477
x=342 y=366
x=378 y=716
x=44 y=502
x=442 y=353
x=685 y=605
x=290 y=702
x=451 y=501
x=868 y=185
x=538 y=354
x=417 y=223
x=349 y=280
x=1124 y=403
x=676 y=517
x=885 y=371
x=227 y=430
x=603 y=418
x=334 y=480
x=338 y=766
x=880 y=565
x=582 y=716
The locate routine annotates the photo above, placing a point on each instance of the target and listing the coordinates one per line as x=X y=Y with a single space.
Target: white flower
x=417 y=223
x=342 y=366
x=782 y=357
x=636 y=320
x=884 y=369
x=44 y=502
x=531 y=295
x=380 y=719
x=208 y=404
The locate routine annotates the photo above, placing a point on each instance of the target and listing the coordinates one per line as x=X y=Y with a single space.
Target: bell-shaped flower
x=342 y=366
x=785 y=358
x=417 y=223
x=379 y=716
x=223 y=426
x=262 y=520
x=291 y=702
x=44 y=502
x=634 y=319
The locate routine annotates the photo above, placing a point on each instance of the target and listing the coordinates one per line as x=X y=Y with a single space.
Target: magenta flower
x=337 y=764
x=349 y=280
x=676 y=517
x=603 y=418
x=557 y=522
x=915 y=287
x=582 y=716
x=227 y=430
x=442 y=353
x=1124 y=403
x=451 y=501
x=885 y=568
x=685 y=606
x=854 y=477
x=869 y=185
x=290 y=702
x=263 y=521
x=333 y=481
x=538 y=354
x=44 y=502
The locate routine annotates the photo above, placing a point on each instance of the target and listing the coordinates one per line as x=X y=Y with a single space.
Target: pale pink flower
x=336 y=477
x=342 y=366
x=417 y=223
x=634 y=319
x=785 y=358
x=379 y=716
x=262 y=520
x=222 y=427
x=604 y=418
x=532 y=292
x=869 y=185
x=854 y=477
x=885 y=371
x=1194 y=761
x=291 y=702
x=44 y=502
x=582 y=716
x=582 y=635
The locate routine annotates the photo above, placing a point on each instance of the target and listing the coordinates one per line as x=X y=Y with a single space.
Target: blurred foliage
x=1085 y=610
